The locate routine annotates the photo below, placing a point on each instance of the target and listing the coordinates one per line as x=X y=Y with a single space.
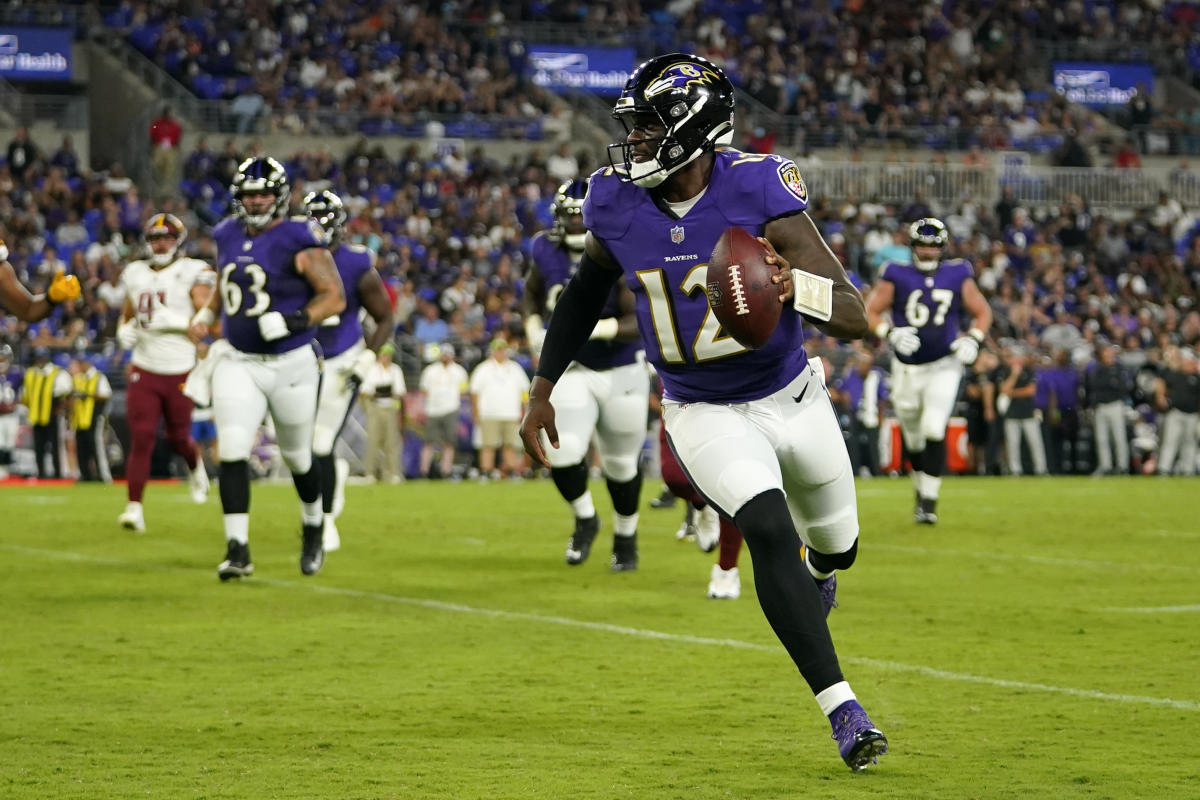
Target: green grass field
x=1043 y=640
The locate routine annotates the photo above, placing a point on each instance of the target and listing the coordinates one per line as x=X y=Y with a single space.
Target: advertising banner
x=35 y=54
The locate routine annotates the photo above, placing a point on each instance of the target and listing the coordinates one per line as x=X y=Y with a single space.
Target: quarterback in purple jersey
x=926 y=300
x=276 y=283
x=347 y=355
x=753 y=429
x=604 y=392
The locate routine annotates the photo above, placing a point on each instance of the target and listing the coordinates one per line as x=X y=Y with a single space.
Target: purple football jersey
x=665 y=261
x=353 y=261
x=931 y=302
x=556 y=266
x=257 y=275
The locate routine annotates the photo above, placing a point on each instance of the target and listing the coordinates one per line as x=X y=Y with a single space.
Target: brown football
x=740 y=291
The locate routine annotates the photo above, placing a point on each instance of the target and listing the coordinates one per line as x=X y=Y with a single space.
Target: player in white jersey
x=162 y=292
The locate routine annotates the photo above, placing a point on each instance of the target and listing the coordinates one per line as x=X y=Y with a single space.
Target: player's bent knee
x=766 y=523
x=299 y=462
x=619 y=468
x=323 y=440
x=828 y=562
x=233 y=444
x=571 y=450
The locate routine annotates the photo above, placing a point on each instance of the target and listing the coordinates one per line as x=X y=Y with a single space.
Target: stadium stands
x=1104 y=254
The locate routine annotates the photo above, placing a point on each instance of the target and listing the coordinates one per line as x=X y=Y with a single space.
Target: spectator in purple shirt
x=860 y=396
x=1057 y=397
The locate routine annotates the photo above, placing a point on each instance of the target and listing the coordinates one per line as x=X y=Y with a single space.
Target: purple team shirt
x=353 y=261
x=931 y=302
x=263 y=270
x=556 y=266
x=665 y=258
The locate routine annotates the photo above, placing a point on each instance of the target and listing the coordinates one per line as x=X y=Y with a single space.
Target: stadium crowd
x=452 y=235
x=954 y=75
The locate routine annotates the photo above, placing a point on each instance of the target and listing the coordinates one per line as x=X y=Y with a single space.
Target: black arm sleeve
x=575 y=316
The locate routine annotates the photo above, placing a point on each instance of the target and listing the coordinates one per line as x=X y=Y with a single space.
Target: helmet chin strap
x=574 y=241
x=162 y=259
x=926 y=265
x=648 y=174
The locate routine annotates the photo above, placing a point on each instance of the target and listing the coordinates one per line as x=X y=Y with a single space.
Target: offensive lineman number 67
x=231 y=293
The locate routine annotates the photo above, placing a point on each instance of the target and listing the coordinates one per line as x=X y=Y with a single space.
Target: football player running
x=33 y=307
x=276 y=283
x=604 y=391
x=162 y=293
x=753 y=429
x=347 y=356
x=926 y=300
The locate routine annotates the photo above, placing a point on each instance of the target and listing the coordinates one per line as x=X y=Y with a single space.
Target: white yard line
x=621 y=630
x=1154 y=610
x=1004 y=555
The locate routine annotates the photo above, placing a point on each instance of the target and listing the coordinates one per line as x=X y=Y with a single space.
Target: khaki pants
x=383 y=440
x=165 y=161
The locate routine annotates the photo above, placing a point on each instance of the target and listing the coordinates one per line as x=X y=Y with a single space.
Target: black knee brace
x=328 y=473
x=625 y=495
x=935 y=457
x=571 y=481
x=235 y=487
x=826 y=562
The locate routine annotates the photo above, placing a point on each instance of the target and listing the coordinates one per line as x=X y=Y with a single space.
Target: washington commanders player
x=926 y=299
x=348 y=357
x=753 y=429
x=162 y=292
x=604 y=391
x=276 y=283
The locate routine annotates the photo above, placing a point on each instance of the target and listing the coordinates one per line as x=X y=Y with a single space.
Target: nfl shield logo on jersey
x=677 y=234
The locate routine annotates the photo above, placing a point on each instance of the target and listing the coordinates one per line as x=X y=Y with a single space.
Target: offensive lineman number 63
x=231 y=293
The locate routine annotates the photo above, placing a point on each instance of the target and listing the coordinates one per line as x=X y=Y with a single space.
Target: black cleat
x=580 y=544
x=664 y=500
x=312 y=552
x=927 y=511
x=237 y=561
x=624 y=555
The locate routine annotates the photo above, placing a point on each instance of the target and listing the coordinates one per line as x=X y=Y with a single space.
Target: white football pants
x=248 y=385
x=333 y=404
x=733 y=453
x=612 y=403
x=923 y=396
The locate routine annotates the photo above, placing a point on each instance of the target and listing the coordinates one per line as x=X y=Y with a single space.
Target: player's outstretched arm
x=574 y=319
x=329 y=298
x=28 y=307
x=797 y=243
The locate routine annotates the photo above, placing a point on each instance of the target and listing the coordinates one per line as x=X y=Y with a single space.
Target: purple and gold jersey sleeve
x=352 y=261
x=931 y=302
x=765 y=188
x=257 y=274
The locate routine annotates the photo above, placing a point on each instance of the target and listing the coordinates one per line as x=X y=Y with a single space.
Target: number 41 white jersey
x=162 y=305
